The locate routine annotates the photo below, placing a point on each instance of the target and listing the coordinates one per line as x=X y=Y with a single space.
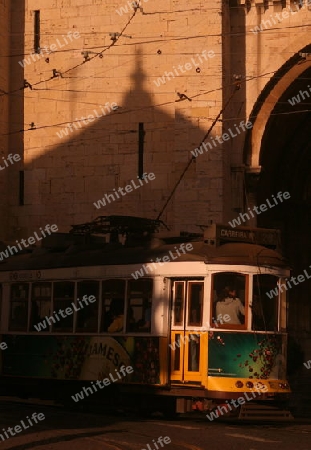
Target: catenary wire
x=159 y=105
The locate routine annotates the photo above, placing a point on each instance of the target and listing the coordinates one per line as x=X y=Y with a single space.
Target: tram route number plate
x=25 y=276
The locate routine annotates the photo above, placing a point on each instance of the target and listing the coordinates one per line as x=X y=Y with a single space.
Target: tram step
x=264 y=412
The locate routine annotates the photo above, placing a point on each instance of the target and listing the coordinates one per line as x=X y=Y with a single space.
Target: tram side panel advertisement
x=82 y=357
x=244 y=355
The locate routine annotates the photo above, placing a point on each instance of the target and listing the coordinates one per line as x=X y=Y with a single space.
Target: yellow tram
x=200 y=318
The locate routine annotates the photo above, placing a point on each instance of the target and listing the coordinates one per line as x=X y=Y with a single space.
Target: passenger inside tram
x=229 y=290
x=229 y=304
x=117 y=312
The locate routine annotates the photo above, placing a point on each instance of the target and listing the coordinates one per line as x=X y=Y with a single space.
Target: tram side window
x=41 y=294
x=87 y=317
x=19 y=307
x=63 y=299
x=265 y=309
x=139 y=305
x=112 y=320
x=178 y=303
x=228 y=296
x=195 y=304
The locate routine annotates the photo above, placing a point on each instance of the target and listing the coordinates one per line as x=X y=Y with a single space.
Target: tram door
x=186 y=336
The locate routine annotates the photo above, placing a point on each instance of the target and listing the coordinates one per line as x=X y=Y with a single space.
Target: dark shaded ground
x=82 y=431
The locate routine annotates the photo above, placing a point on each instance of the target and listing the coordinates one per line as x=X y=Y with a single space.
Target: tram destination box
x=217 y=234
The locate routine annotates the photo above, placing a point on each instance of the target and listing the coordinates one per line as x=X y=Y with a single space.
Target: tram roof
x=117 y=254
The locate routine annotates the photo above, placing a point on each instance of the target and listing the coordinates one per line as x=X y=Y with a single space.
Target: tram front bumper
x=259 y=389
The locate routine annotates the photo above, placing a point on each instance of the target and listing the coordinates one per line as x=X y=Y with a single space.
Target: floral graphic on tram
x=246 y=355
x=82 y=358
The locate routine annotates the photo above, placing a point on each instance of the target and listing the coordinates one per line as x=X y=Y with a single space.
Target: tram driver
x=231 y=305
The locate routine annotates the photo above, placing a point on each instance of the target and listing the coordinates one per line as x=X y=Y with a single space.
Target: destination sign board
x=219 y=234
x=25 y=276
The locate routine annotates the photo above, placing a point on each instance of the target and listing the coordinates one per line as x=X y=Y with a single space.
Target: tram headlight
x=249 y=384
x=283 y=385
x=239 y=384
x=259 y=386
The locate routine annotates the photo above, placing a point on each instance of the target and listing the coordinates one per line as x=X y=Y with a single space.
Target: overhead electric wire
x=163 y=40
x=139 y=43
x=237 y=87
x=107 y=70
x=152 y=106
x=131 y=59
x=87 y=77
x=122 y=112
x=99 y=54
x=164 y=104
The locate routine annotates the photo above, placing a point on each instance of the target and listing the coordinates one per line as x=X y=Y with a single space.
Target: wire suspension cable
x=57 y=74
x=237 y=87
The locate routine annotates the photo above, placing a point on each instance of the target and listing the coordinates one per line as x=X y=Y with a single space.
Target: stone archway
x=285 y=87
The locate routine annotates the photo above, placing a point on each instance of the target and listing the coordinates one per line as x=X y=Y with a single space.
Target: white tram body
x=169 y=331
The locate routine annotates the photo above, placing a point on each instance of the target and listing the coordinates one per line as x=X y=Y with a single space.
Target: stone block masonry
x=124 y=76
x=128 y=188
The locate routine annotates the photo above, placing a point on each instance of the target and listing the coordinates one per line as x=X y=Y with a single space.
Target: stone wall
x=69 y=162
x=65 y=175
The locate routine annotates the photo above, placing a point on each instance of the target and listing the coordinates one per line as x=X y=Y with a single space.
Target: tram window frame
x=214 y=294
x=16 y=299
x=267 y=322
x=42 y=298
x=139 y=301
x=111 y=300
x=89 y=311
x=58 y=326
